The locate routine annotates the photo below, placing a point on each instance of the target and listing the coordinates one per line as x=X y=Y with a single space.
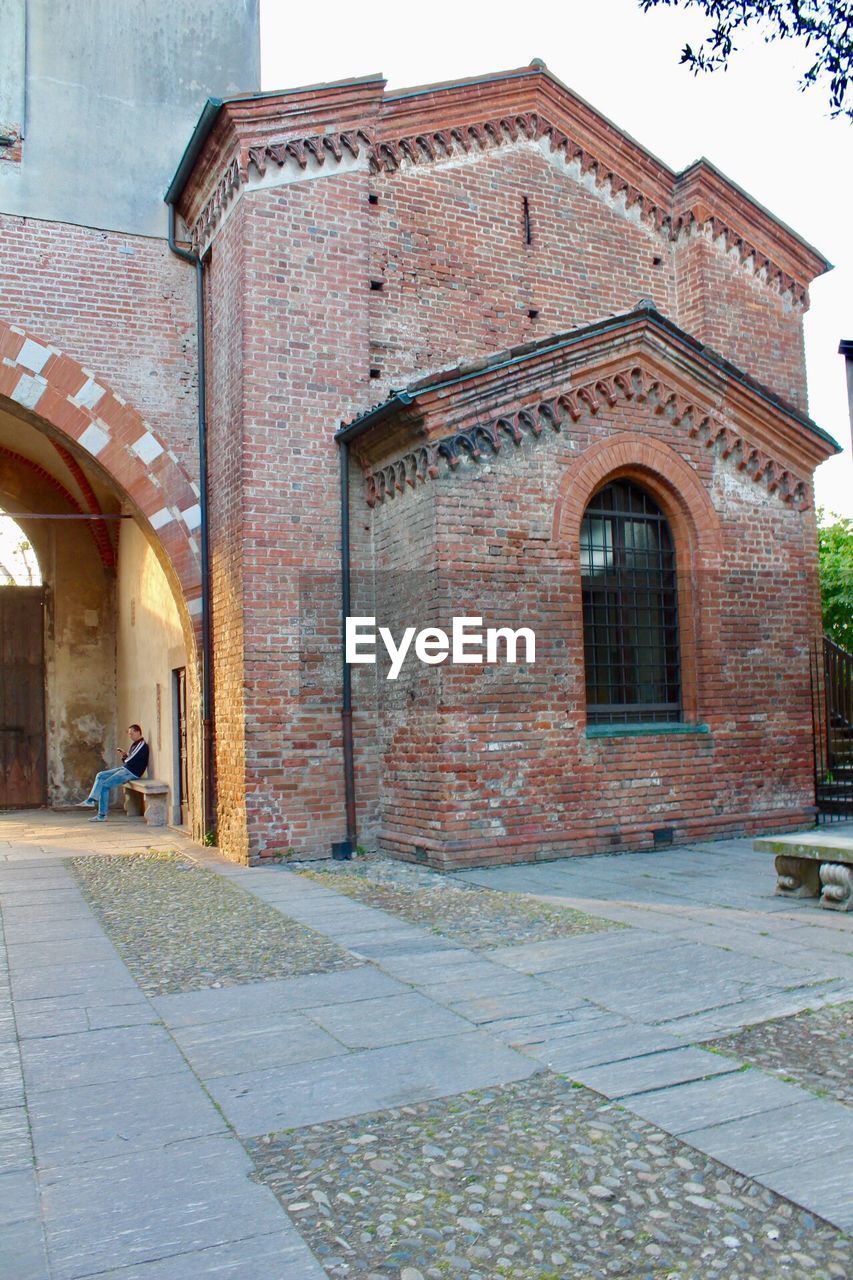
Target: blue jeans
x=104 y=783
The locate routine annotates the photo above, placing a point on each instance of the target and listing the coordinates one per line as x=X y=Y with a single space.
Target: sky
x=17 y=559
x=751 y=121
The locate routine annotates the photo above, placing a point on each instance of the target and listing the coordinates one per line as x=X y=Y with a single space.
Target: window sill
x=639 y=729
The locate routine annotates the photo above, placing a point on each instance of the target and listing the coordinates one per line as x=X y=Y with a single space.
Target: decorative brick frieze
x=634 y=383
x=88 y=415
x=568 y=132
x=727 y=241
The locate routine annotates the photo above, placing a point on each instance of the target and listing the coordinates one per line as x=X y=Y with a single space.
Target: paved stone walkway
x=122 y=1118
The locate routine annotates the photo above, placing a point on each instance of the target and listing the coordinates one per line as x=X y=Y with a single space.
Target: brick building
x=540 y=377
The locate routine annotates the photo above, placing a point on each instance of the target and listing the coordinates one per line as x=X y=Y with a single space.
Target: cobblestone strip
x=812 y=1049
x=533 y=1181
x=180 y=928
x=370 y=1051
x=466 y=914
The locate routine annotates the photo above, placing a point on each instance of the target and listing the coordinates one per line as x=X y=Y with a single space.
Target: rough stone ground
x=533 y=1181
x=812 y=1048
x=180 y=928
x=125 y=1122
x=474 y=917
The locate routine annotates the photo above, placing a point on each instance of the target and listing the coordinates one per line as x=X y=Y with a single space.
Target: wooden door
x=22 y=734
x=180 y=678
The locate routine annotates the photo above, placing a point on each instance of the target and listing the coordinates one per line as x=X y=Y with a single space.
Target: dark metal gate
x=832 y=717
x=22 y=734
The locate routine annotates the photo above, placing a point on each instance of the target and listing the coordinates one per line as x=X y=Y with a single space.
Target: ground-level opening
x=91 y=630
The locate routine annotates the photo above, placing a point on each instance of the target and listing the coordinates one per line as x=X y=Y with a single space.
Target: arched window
x=630 y=608
x=18 y=564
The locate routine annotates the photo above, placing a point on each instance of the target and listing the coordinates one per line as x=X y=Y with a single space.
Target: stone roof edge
x=587 y=336
x=436 y=424
x=429 y=123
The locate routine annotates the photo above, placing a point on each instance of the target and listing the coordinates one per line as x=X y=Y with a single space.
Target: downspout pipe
x=343 y=438
x=204 y=535
x=346 y=670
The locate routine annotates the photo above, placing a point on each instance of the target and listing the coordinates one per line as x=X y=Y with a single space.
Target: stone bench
x=148 y=798
x=811 y=865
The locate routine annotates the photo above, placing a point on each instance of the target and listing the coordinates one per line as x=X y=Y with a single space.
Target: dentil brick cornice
x=306 y=133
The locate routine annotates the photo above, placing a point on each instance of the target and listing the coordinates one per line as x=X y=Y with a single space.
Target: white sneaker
x=85 y=804
x=98 y=818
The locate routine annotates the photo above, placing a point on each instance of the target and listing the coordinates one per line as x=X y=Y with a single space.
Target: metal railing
x=832 y=718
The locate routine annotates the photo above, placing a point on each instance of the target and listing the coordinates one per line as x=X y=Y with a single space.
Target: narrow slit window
x=528 y=226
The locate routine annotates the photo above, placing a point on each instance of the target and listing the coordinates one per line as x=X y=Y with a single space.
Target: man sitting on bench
x=134 y=763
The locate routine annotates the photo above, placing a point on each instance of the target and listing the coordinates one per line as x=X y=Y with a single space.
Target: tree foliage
x=835 y=548
x=824 y=26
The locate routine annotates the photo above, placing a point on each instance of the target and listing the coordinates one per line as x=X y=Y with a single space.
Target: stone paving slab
x=24 y=956
x=755 y=1145
x=22 y=1251
x=541 y=1005
x=278 y=996
x=148 y=1205
x=89 y=1011
x=15 y=1148
x=711 y=1023
x=366 y=1080
x=99 y=1057
x=450 y=963
x=99 y=1121
x=11 y=1086
x=18 y=1197
x=598 y=1046
x=535 y=1034
x=701 y=1103
x=52 y=934
x=821 y=1185
x=56 y=899
x=398 y=1019
x=22 y=1246
x=473 y=985
x=688 y=907
x=280 y=1256
x=263 y=1042
x=654 y=1071
x=72 y=979
x=376 y=946
x=558 y=953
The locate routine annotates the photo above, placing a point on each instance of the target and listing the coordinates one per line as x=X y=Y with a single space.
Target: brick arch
x=696 y=531
x=90 y=417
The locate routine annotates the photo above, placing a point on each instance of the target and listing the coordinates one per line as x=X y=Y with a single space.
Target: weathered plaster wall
x=80 y=664
x=110 y=97
x=149 y=647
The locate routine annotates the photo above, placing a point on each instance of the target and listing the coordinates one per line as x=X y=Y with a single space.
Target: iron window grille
x=630 y=609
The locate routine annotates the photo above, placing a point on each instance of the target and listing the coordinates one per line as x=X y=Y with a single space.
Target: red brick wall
x=122 y=305
x=494 y=765
x=225 y=304
x=305 y=366
x=460 y=278
x=726 y=306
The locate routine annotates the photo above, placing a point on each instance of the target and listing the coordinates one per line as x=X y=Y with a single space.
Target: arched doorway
x=112 y=520
x=23 y=777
